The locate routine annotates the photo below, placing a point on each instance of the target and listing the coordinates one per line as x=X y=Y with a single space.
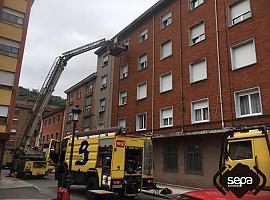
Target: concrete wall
x=210 y=161
x=104 y=70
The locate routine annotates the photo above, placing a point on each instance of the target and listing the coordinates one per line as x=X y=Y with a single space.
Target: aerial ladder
x=28 y=161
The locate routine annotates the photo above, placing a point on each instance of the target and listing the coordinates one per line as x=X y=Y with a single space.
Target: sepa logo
x=239 y=180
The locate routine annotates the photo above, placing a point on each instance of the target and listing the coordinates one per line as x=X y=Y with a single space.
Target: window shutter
x=240 y=8
x=142 y=91
x=197 y=30
x=9 y=43
x=166 y=82
x=13 y=12
x=143 y=58
x=3 y=111
x=7 y=78
x=200 y=104
x=198 y=71
x=167 y=113
x=166 y=49
x=244 y=55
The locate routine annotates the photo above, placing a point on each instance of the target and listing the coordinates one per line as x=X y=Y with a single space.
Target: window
x=70 y=97
x=53 y=120
x=56 y=135
x=103 y=82
x=194 y=158
x=166 y=82
x=121 y=122
x=143 y=35
x=12 y=17
x=3 y=114
x=166 y=49
x=166 y=19
x=102 y=104
x=88 y=100
x=200 y=111
x=105 y=60
x=7 y=78
x=9 y=47
x=101 y=125
x=126 y=43
x=142 y=62
x=70 y=112
x=86 y=123
x=123 y=72
x=45 y=123
x=170 y=158
x=248 y=103
x=141 y=122
x=68 y=128
x=194 y=4
x=123 y=98
x=50 y=121
x=58 y=118
x=198 y=71
x=240 y=11
x=142 y=91
x=89 y=88
x=166 y=117
x=79 y=94
x=240 y=150
x=197 y=33
x=243 y=54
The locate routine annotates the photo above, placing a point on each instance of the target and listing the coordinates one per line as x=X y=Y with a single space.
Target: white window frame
x=246 y=92
x=200 y=38
x=162 y=118
x=161 y=49
x=142 y=65
x=122 y=118
x=143 y=83
x=243 y=16
x=200 y=2
x=191 y=71
x=15 y=14
x=161 y=83
x=143 y=35
x=193 y=115
x=101 y=106
x=120 y=98
x=145 y=121
x=4 y=111
x=165 y=22
x=122 y=73
x=104 y=83
x=126 y=43
x=240 y=45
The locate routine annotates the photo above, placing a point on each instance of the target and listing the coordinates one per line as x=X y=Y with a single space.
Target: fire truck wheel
x=92 y=183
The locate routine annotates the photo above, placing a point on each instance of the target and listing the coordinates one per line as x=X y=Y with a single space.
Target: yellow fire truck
x=245 y=160
x=110 y=161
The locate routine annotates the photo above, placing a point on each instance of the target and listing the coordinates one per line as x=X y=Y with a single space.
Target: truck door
x=240 y=151
x=53 y=152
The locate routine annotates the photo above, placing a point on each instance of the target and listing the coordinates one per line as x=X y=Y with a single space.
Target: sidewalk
x=176 y=190
x=13 y=188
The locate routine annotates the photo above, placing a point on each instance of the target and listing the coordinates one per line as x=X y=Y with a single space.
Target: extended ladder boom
x=49 y=85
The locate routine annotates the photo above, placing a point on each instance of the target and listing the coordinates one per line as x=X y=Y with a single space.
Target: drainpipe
x=180 y=69
x=218 y=66
x=153 y=76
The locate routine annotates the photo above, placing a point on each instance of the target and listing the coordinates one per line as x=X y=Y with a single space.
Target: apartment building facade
x=22 y=113
x=104 y=88
x=193 y=70
x=14 y=17
x=81 y=94
x=52 y=126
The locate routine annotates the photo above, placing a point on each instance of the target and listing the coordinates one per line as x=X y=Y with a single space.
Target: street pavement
x=45 y=188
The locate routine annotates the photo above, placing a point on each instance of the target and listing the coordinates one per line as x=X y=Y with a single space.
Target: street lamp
x=75 y=118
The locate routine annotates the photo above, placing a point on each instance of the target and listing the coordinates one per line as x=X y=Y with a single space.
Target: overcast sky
x=57 y=26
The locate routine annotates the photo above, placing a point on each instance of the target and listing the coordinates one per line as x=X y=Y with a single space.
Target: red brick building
x=193 y=69
x=52 y=126
x=81 y=94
